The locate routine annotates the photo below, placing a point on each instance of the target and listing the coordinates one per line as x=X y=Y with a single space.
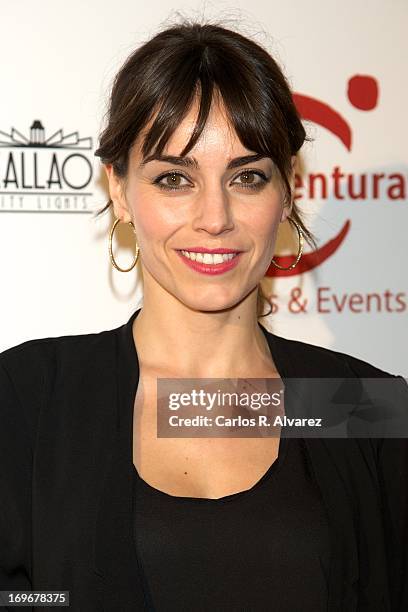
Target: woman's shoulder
x=34 y=369
x=30 y=369
x=313 y=358
x=35 y=353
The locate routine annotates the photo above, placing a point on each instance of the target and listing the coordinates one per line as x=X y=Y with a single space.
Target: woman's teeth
x=209 y=258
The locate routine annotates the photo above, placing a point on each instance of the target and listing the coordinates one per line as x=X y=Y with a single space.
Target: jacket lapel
x=115 y=559
x=345 y=469
x=293 y=360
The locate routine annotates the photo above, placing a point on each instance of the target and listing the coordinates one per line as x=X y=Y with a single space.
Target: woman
x=199 y=150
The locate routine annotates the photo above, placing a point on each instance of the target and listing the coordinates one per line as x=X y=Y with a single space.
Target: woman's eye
x=249 y=181
x=172 y=181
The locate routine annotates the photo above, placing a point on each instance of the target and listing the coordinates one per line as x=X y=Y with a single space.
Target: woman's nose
x=213 y=210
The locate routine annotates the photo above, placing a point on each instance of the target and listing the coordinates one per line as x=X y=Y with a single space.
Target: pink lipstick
x=211 y=268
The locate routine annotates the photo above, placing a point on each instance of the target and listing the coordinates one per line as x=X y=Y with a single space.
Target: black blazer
x=66 y=476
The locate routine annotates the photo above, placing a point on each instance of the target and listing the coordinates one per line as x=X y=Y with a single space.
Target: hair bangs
x=172 y=109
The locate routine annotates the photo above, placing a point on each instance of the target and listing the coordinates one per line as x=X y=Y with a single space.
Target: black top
x=265 y=548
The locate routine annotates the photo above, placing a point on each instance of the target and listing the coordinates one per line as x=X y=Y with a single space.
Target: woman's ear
x=288 y=202
x=116 y=193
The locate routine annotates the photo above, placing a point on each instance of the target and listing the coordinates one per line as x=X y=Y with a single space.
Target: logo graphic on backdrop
x=40 y=173
x=363 y=92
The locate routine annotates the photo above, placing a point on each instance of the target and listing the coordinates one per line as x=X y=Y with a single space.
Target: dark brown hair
x=189 y=61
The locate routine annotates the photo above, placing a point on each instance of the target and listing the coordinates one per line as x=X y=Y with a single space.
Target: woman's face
x=211 y=200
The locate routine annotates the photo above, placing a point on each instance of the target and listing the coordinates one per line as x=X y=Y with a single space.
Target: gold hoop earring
x=111 y=253
x=300 y=250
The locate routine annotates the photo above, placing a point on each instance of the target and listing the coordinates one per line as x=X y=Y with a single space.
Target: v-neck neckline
x=129 y=369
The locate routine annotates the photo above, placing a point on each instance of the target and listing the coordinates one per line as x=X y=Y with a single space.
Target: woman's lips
x=211 y=269
x=306 y=263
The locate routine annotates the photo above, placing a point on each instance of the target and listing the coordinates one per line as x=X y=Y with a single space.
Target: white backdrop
x=346 y=62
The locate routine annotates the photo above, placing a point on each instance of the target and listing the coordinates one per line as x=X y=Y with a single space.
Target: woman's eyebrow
x=191 y=162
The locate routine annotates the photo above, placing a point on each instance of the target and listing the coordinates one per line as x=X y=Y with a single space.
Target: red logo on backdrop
x=363 y=94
